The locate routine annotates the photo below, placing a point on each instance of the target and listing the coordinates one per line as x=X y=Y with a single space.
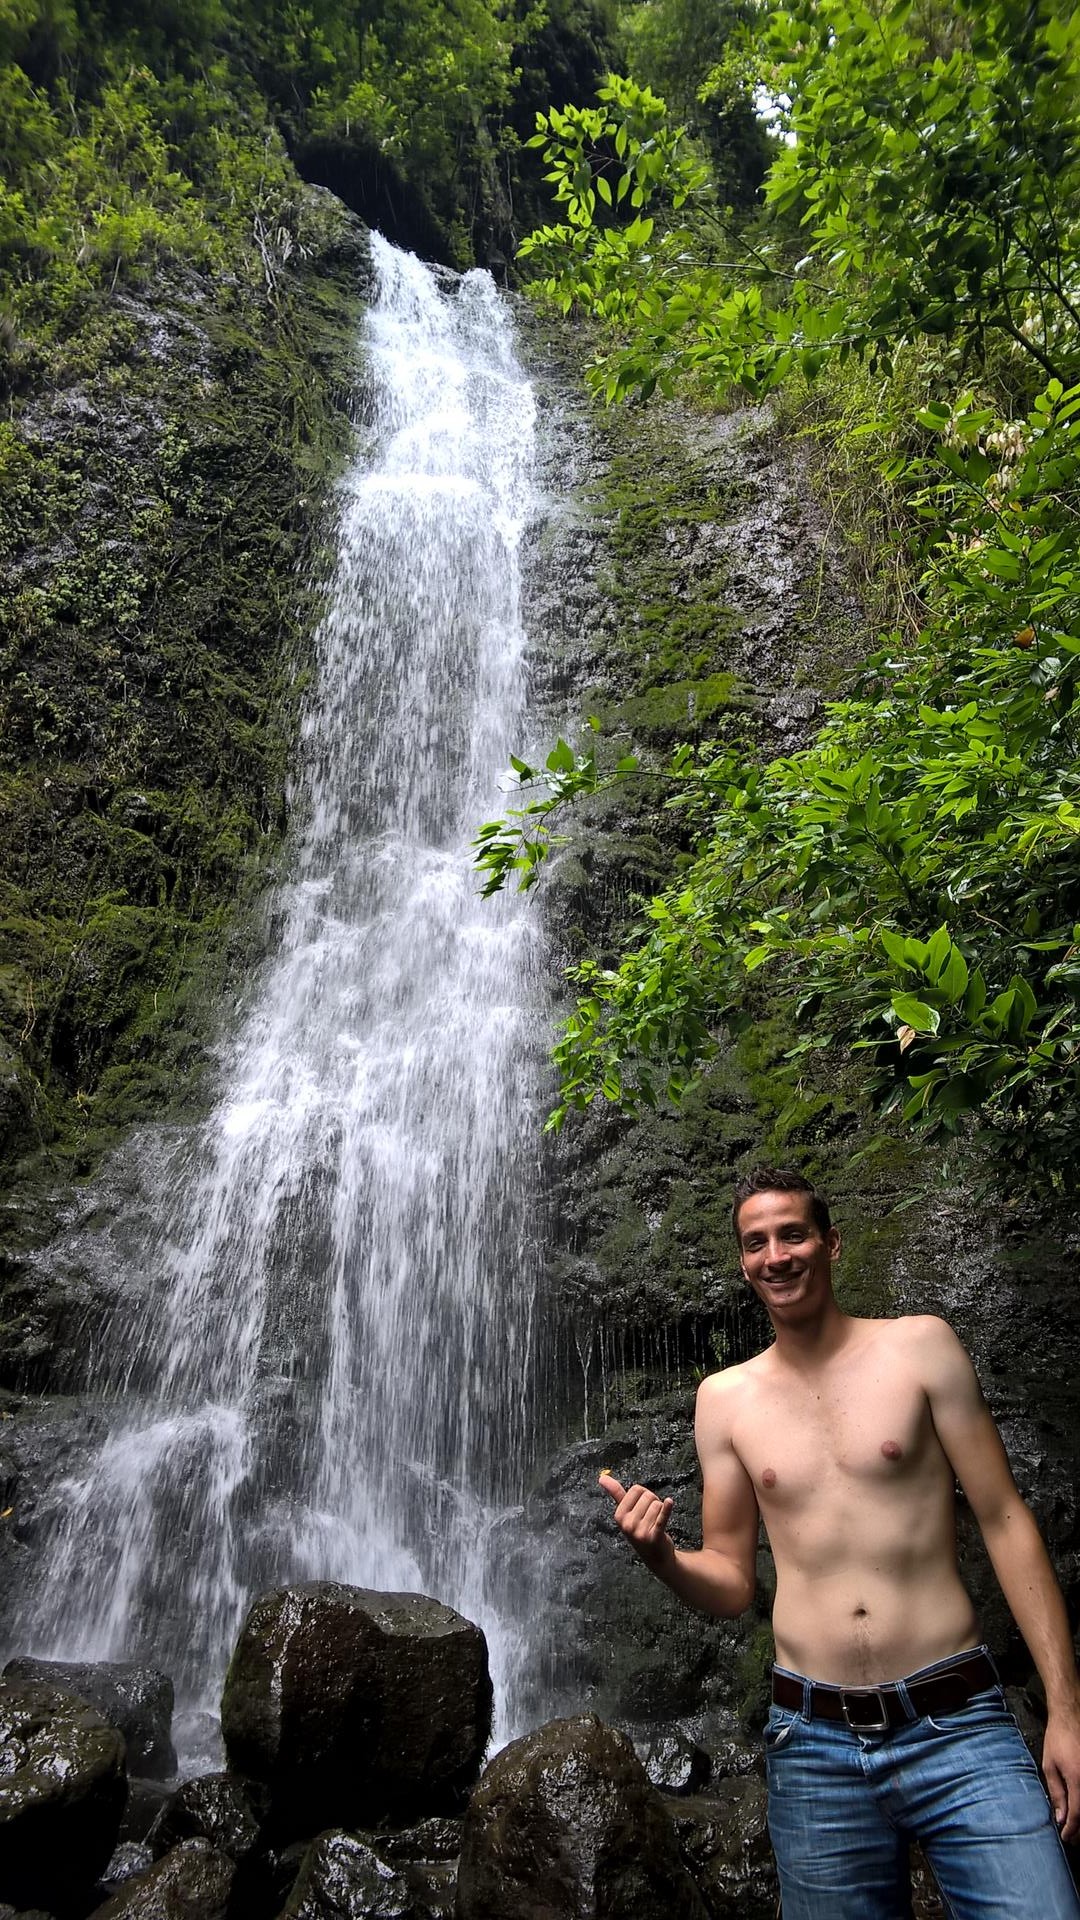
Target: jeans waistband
x=942 y=1687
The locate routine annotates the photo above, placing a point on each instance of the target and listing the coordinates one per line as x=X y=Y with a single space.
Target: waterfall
x=330 y=1373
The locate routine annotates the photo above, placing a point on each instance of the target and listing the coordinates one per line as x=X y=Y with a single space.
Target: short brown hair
x=780 y=1180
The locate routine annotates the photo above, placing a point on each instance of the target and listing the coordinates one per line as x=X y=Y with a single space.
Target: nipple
x=892 y=1449
x=768 y=1478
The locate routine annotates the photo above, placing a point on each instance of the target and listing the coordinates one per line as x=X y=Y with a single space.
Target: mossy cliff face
x=160 y=521
x=162 y=528
x=691 y=590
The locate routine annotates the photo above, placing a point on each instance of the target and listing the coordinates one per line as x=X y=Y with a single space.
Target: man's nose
x=778 y=1253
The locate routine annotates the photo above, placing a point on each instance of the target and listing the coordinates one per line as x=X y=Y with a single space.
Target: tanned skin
x=846 y=1437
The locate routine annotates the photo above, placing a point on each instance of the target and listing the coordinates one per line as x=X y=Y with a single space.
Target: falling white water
x=331 y=1376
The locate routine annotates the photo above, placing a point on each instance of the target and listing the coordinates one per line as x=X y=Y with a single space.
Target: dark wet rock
x=732 y=1756
x=427 y=1840
x=41 y=1443
x=427 y=1856
x=725 y=1841
x=343 y=1879
x=356 y=1706
x=193 y=1882
x=128 y=1858
x=217 y=1807
x=674 y=1763
x=136 y=1700
x=145 y=1800
x=926 y=1901
x=28 y=1913
x=639 y=1655
x=62 y=1791
x=564 y=1825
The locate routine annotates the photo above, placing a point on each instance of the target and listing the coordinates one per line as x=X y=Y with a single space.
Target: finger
x=1066 y=1796
x=659 y=1517
x=1055 y=1787
x=634 y=1506
x=648 y=1516
x=611 y=1485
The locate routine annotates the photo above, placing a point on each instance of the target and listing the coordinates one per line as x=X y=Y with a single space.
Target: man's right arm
x=720 y=1576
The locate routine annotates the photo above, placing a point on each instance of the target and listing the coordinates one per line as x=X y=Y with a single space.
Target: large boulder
x=565 y=1825
x=725 y=1841
x=343 y=1879
x=193 y=1882
x=216 y=1807
x=62 y=1792
x=355 y=1707
x=138 y=1701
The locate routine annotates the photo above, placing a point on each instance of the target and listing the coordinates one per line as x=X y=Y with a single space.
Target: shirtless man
x=888 y=1723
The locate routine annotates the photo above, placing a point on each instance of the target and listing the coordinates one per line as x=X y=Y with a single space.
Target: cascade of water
x=332 y=1377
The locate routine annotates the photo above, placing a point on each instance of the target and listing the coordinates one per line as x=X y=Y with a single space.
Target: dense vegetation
x=131 y=131
x=909 y=290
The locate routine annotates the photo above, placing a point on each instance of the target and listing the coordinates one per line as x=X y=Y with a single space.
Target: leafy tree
x=694 y=56
x=934 y=166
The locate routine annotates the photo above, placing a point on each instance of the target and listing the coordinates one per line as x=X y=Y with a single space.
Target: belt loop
x=807 y=1691
x=905 y=1700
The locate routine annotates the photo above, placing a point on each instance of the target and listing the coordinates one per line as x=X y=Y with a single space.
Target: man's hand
x=643 y=1517
x=1061 y=1767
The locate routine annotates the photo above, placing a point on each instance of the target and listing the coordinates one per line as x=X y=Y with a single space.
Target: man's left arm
x=977 y=1456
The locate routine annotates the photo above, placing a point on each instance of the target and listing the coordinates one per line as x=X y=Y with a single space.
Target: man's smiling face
x=784 y=1255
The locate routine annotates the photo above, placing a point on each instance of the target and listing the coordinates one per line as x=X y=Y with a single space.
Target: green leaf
x=915 y=1013
x=897 y=949
x=937 y=954
x=953 y=978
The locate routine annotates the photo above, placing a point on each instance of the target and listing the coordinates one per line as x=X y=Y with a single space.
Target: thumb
x=1055 y=1787
x=611 y=1485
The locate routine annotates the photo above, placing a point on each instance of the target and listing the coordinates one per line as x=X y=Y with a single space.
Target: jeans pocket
x=987 y=1708
x=779 y=1728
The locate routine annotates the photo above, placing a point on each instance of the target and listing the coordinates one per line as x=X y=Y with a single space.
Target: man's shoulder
x=926 y=1342
x=731 y=1384
x=917 y=1331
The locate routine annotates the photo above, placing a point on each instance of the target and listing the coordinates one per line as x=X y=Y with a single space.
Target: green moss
x=753 y=1675
x=680 y=710
x=663 y=502
x=161 y=527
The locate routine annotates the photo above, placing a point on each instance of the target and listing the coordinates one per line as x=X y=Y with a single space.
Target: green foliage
x=909 y=883
x=130 y=134
x=933 y=166
x=911 y=880
x=695 y=56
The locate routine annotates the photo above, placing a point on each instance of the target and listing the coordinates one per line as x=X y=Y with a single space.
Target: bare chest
x=869 y=1430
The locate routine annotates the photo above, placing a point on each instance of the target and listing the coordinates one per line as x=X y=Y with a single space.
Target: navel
x=768 y=1478
x=892 y=1449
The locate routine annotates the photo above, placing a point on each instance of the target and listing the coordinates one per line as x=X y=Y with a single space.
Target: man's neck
x=811 y=1343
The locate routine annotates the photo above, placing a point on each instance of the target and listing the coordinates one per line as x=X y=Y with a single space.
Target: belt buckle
x=865 y=1693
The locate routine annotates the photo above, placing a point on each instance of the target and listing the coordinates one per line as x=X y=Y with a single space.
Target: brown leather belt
x=876 y=1709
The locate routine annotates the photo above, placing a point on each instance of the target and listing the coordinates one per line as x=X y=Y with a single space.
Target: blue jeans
x=844 y=1805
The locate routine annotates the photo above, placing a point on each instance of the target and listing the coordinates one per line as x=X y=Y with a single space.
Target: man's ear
x=834 y=1243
